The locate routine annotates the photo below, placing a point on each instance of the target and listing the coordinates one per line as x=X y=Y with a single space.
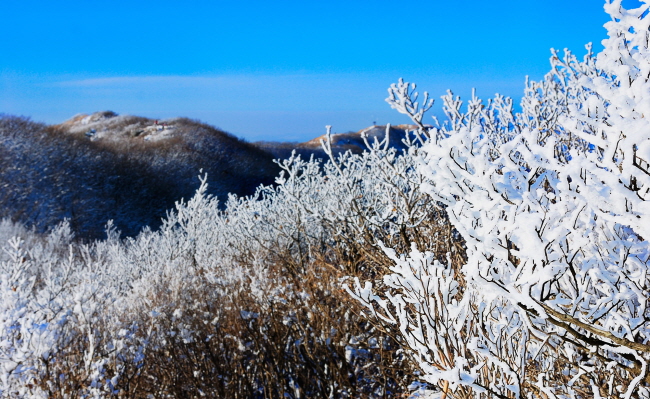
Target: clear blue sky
x=275 y=70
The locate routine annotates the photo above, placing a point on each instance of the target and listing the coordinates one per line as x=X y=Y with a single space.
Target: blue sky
x=277 y=70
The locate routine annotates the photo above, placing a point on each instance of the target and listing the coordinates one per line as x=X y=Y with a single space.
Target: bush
x=551 y=203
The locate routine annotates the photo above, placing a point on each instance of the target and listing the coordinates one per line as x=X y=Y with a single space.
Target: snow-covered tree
x=553 y=204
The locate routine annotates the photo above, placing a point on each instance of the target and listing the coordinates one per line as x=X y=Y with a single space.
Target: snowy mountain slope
x=102 y=166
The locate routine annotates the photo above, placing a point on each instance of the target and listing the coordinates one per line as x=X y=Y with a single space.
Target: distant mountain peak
x=341 y=142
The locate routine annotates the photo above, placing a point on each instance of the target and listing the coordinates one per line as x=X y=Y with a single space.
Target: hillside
x=130 y=169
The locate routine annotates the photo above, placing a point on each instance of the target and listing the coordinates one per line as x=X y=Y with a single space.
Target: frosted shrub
x=552 y=204
x=53 y=310
x=218 y=288
x=238 y=300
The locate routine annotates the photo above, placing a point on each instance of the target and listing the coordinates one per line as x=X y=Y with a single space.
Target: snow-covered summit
x=108 y=125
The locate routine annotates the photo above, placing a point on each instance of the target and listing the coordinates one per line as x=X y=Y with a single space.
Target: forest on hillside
x=500 y=254
x=127 y=169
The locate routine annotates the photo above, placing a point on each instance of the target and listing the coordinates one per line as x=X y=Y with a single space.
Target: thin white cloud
x=297 y=92
x=233 y=79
